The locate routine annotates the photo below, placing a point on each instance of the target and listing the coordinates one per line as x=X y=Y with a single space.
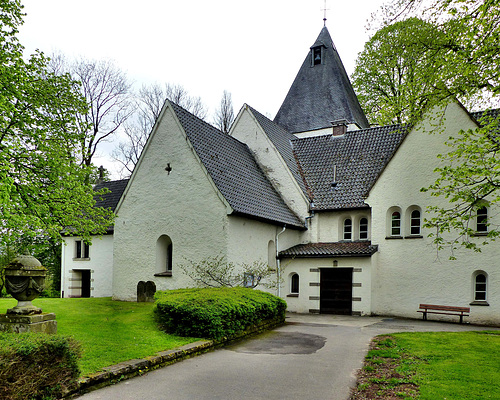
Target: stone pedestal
x=40 y=323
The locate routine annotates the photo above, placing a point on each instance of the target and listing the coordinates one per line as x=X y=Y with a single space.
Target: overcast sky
x=253 y=48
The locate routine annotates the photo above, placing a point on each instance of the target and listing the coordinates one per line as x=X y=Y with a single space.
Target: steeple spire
x=321 y=92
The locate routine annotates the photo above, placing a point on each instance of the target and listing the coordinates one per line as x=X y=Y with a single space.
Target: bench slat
x=444 y=308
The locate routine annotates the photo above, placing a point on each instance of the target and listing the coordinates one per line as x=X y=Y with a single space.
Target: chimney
x=339 y=127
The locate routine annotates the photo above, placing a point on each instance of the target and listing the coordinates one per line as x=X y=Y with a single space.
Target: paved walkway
x=312 y=357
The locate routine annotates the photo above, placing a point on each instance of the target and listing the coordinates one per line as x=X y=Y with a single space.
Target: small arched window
x=480 y=282
x=396 y=223
x=482 y=220
x=415 y=222
x=347 y=229
x=164 y=253
x=294 y=284
x=363 y=229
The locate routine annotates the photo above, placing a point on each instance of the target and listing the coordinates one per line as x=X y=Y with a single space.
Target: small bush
x=36 y=366
x=216 y=312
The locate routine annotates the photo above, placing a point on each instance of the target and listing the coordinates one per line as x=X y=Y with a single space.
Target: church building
x=331 y=204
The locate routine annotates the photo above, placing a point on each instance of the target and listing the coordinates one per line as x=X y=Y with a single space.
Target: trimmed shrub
x=37 y=365
x=216 y=313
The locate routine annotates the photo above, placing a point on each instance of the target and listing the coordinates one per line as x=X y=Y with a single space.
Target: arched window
x=482 y=220
x=164 y=252
x=480 y=282
x=294 y=284
x=415 y=222
x=363 y=229
x=347 y=229
x=396 y=223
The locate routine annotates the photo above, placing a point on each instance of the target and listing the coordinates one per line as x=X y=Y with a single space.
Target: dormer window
x=316 y=55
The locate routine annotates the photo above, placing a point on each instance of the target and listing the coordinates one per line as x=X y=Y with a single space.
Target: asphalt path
x=312 y=357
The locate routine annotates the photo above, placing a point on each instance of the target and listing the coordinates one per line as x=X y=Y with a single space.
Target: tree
x=224 y=115
x=42 y=184
x=395 y=73
x=218 y=272
x=150 y=102
x=468 y=48
x=107 y=91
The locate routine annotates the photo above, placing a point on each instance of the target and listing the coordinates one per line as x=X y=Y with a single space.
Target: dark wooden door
x=336 y=291
x=85 y=283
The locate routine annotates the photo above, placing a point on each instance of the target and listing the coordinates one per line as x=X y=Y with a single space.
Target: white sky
x=251 y=48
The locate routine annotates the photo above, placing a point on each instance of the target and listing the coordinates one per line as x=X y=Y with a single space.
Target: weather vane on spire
x=324 y=15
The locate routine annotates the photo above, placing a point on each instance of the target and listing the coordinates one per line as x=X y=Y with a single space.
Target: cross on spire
x=324 y=9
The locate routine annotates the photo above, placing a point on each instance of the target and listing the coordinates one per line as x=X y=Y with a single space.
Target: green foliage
x=395 y=73
x=35 y=366
x=462 y=61
x=470 y=179
x=218 y=272
x=216 y=312
x=43 y=187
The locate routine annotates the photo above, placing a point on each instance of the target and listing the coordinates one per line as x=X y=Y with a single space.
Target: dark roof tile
x=235 y=172
x=332 y=249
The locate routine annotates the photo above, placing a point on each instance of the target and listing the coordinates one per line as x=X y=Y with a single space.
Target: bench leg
x=461 y=318
x=424 y=315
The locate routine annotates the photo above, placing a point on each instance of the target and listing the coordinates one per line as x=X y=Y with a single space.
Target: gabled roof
x=235 y=172
x=112 y=197
x=339 y=170
x=282 y=140
x=320 y=94
x=332 y=249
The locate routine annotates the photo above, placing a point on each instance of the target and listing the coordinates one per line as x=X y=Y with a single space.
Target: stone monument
x=24 y=280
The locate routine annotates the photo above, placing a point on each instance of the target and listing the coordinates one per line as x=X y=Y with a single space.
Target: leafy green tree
x=395 y=73
x=43 y=187
x=467 y=67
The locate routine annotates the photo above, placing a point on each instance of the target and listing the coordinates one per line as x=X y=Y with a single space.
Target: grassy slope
x=109 y=331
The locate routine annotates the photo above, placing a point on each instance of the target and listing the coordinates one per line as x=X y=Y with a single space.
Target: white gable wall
x=247 y=130
x=183 y=205
x=410 y=271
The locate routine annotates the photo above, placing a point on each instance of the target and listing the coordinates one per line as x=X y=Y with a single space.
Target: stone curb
x=129 y=369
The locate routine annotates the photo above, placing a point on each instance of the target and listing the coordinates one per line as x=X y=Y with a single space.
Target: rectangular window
x=82 y=249
x=482 y=220
x=363 y=229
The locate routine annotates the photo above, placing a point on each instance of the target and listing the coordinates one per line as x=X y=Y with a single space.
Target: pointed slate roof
x=235 y=172
x=340 y=170
x=112 y=197
x=320 y=94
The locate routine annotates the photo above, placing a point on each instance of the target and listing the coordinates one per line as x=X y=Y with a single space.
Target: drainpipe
x=278 y=262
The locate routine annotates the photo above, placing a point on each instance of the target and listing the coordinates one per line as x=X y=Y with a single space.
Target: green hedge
x=216 y=313
x=36 y=366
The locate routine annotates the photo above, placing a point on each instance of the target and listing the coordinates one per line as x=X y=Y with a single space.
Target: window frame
x=363 y=232
x=295 y=283
x=413 y=225
x=482 y=220
x=393 y=226
x=347 y=230
x=82 y=250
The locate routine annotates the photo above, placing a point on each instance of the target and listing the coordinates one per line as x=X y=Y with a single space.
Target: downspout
x=278 y=261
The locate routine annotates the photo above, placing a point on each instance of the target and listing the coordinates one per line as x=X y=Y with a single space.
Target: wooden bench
x=448 y=310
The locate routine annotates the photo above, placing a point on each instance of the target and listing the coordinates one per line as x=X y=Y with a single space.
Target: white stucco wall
x=329 y=226
x=410 y=271
x=247 y=130
x=100 y=264
x=309 y=279
x=182 y=204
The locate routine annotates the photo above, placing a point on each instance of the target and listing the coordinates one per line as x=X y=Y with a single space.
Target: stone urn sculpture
x=24 y=280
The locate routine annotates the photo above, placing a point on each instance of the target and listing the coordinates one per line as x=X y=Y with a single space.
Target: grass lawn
x=109 y=331
x=431 y=366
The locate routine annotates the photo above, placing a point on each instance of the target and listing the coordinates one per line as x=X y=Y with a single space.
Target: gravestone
x=150 y=291
x=141 y=292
